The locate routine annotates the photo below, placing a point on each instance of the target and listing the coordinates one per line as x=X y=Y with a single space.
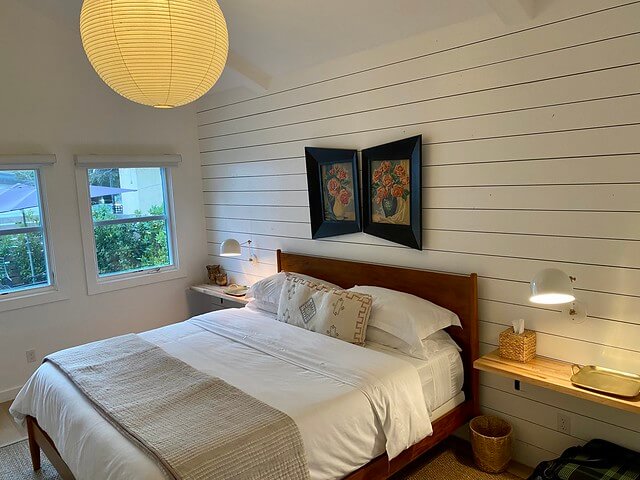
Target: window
x=24 y=262
x=127 y=218
x=130 y=214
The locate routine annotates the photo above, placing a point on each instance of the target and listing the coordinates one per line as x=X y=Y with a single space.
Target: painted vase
x=338 y=209
x=390 y=206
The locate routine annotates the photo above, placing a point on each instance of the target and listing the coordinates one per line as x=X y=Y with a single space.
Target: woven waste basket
x=491 y=443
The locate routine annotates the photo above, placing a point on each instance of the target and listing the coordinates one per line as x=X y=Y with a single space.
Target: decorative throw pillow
x=331 y=311
x=266 y=292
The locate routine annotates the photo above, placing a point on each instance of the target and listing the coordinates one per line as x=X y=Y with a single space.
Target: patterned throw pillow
x=334 y=312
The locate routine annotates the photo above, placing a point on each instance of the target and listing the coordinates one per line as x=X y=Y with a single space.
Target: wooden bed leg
x=34 y=448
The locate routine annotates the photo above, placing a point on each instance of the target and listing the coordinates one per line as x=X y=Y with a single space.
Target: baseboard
x=9 y=394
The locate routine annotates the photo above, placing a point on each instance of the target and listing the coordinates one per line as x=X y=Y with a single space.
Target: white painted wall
x=531 y=160
x=51 y=101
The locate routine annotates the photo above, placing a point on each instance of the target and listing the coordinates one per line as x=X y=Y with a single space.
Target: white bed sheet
x=447 y=406
x=339 y=428
x=441 y=376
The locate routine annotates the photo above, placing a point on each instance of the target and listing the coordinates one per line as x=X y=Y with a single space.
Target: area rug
x=449 y=465
x=15 y=464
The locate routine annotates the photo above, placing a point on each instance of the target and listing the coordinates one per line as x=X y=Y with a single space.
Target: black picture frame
x=379 y=216
x=322 y=204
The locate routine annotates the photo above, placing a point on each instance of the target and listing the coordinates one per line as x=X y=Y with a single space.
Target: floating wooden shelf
x=551 y=374
x=217 y=292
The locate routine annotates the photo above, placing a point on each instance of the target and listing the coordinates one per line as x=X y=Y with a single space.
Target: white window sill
x=117 y=282
x=31 y=298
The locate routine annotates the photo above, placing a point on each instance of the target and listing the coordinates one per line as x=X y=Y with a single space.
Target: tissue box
x=520 y=347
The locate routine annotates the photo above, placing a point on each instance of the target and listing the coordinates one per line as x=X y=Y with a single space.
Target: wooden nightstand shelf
x=217 y=292
x=551 y=374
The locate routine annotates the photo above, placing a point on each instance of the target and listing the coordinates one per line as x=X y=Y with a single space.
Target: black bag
x=597 y=460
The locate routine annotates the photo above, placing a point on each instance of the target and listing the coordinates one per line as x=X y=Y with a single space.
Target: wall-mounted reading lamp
x=554 y=287
x=232 y=248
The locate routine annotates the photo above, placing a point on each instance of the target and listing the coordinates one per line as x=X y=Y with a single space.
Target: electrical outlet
x=31 y=356
x=564 y=423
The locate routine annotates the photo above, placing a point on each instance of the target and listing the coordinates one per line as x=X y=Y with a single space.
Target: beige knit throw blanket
x=195 y=426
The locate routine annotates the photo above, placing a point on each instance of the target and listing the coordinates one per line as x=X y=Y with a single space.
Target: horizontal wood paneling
x=516 y=96
x=564 y=171
x=616 y=417
x=518 y=90
x=610 y=280
x=618 y=225
x=607 y=112
x=531 y=159
x=540 y=40
x=607 y=169
x=598 y=197
x=593 y=141
x=594 y=224
x=595 y=330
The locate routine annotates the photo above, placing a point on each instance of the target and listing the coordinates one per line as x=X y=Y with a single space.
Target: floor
x=453 y=460
x=461 y=463
x=9 y=431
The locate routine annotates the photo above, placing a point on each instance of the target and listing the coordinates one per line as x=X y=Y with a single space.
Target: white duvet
x=350 y=403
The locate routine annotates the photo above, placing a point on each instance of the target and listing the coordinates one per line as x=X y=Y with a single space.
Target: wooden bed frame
x=458 y=293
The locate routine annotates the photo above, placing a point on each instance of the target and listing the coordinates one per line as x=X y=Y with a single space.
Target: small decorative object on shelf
x=212 y=271
x=517 y=343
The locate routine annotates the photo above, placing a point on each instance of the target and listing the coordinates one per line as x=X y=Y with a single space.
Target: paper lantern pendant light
x=162 y=53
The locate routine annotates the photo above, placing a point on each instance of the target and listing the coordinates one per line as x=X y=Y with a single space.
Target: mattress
x=441 y=376
x=339 y=428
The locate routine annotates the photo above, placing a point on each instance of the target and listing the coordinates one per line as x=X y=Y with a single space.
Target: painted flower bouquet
x=339 y=186
x=390 y=181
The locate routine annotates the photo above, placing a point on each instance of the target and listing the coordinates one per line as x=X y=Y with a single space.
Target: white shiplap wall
x=531 y=159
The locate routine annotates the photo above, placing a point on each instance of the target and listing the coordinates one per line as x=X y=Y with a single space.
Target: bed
x=342 y=439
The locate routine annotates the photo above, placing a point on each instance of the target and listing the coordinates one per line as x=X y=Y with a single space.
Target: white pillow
x=406 y=316
x=430 y=345
x=266 y=292
x=333 y=312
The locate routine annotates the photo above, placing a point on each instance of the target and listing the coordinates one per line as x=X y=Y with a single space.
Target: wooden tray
x=605 y=380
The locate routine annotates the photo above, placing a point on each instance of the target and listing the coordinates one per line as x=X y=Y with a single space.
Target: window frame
x=97 y=283
x=38 y=294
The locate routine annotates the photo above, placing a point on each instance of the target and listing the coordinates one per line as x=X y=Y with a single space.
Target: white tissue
x=518 y=326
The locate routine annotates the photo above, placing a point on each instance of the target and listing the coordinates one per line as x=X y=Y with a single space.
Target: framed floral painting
x=334 y=196
x=392 y=191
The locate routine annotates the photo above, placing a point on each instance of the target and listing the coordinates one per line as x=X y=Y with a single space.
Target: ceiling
x=283 y=35
x=269 y=38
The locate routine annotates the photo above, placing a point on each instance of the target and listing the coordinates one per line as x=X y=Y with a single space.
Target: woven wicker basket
x=491 y=443
x=517 y=346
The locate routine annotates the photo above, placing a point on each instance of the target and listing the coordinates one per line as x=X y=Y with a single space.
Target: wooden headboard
x=458 y=293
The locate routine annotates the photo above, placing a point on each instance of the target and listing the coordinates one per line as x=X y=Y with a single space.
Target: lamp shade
x=159 y=53
x=551 y=287
x=230 y=248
